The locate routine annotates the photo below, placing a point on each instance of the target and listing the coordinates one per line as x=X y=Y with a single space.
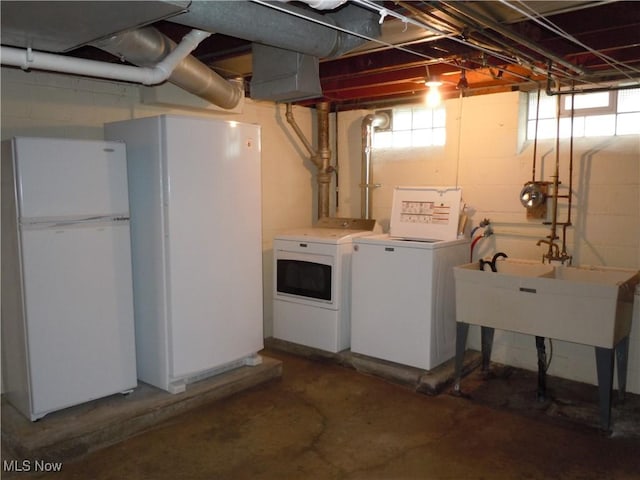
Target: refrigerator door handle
x=62 y=223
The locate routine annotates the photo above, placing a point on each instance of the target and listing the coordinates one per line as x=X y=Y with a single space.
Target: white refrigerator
x=195 y=193
x=67 y=299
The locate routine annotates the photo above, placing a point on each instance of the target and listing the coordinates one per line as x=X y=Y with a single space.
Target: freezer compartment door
x=79 y=311
x=63 y=178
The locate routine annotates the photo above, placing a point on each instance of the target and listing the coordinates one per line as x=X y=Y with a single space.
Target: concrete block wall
x=487 y=156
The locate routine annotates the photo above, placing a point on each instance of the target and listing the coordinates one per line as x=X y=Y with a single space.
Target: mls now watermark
x=30 y=466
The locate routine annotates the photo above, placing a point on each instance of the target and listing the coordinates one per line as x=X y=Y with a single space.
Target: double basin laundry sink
x=586 y=305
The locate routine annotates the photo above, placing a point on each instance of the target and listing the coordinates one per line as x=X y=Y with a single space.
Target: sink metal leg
x=462 y=330
x=622 y=359
x=486 y=340
x=604 y=366
x=542 y=369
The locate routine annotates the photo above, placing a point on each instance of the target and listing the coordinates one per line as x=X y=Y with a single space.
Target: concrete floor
x=324 y=420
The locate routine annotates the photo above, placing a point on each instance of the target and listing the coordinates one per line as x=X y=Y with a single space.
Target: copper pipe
x=569 y=195
x=535 y=138
x=553 y=251
x=556 y=179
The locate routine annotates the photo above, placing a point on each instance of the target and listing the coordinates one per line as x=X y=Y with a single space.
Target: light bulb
x=433 y=97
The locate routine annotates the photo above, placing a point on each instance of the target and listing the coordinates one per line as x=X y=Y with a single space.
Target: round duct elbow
x=198 y=79
x=147 y=47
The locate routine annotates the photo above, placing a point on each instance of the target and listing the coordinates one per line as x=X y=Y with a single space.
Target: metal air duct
x=284 y=26
x=287 y=40
x=147 y=46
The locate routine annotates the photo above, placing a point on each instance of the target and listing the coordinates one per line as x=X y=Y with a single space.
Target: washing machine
x=312 y=283
x=402 y=289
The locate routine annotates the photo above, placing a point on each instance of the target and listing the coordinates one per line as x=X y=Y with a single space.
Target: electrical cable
x=612 y=62
x=550 y=357
x=459 y=139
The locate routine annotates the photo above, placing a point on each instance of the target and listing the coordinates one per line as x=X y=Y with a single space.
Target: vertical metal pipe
x=336 y=159
x=535 y=138
x=366 y=168
x=570 y=194
x=556 y=182
x=325 y=170
x=321 y=157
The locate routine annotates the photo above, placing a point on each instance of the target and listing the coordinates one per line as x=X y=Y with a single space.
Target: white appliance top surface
x=322 y=235
x=386 y=239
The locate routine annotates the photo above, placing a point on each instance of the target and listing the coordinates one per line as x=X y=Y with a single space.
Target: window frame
x=610 y=109
x=436 y=129
x=583 y=117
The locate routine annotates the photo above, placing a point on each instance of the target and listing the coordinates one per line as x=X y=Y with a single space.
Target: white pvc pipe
x=29 y=59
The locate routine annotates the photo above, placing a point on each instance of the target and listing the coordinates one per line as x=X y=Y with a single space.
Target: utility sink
x=587 y=305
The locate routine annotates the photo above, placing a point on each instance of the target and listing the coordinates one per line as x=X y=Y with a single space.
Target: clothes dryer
x=312 y=283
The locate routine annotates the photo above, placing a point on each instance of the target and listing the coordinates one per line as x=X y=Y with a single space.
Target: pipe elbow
x=289 y=113
x=155 y=75
x=367 y=121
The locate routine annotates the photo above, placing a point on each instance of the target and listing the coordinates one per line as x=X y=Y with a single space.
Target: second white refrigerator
x=67 y=302
x=195 y=196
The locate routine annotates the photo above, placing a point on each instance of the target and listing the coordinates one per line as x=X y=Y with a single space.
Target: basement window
x=596 y=114
x=413 y=127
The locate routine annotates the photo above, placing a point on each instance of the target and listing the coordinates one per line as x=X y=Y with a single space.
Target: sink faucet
x=554 y=250
x=554 y=253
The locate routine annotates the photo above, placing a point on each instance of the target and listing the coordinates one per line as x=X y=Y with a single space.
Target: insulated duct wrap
x=277 y=29
x=287 y=41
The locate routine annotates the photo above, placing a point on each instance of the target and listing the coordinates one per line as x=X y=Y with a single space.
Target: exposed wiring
x=549 y=25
